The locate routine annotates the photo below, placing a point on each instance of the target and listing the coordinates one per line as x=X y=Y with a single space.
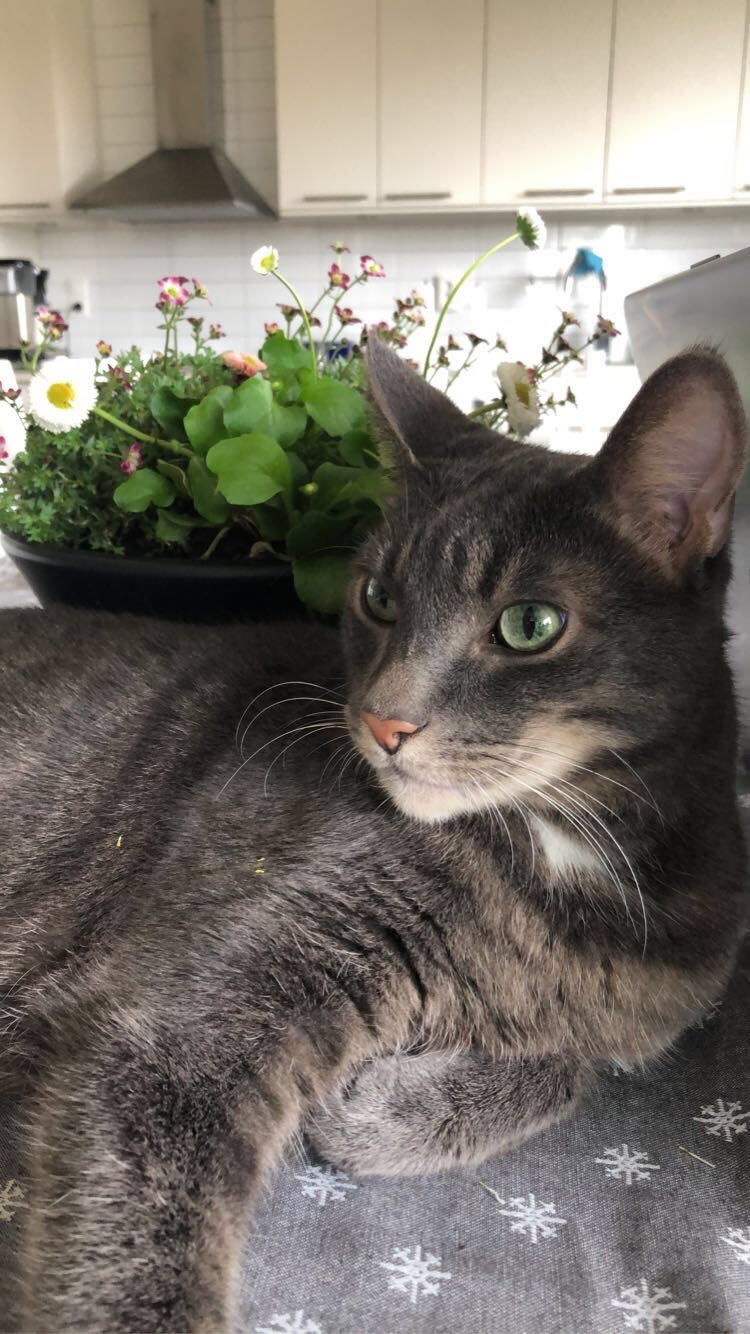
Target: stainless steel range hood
x=188 y=176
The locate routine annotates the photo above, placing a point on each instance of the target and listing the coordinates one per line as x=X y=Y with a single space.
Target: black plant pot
x=182 y=590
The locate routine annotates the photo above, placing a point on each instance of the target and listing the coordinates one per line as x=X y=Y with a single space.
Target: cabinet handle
x=562 y=194
x=26 y=204
x=334 y=199
x=648 y=190
x=420 y=194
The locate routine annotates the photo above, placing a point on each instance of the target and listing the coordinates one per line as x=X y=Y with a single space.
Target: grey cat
x=530 y=867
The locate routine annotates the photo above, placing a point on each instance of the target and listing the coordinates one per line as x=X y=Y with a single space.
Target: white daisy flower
x=531 y=228
x=265 y=259
x=521 y=397
x=12 y=434
x=63 y=392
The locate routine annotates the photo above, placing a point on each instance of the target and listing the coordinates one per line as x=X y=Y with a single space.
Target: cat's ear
x=672 y=463
x=411 y=419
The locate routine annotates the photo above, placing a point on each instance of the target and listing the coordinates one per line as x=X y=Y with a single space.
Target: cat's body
x=198 y=958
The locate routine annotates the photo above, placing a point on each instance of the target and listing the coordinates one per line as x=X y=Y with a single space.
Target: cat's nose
x=388 y=732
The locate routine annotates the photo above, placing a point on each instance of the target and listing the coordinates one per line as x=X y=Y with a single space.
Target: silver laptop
x=709 y=303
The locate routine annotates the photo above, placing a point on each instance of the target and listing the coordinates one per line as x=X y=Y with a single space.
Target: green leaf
x=204 y=423
x=335 y=406
x=300 y=472
x=321 y=581
x=249 y=408
x=271 y=521
x=169 y=408
x=251 y=468
x=176 y=476
x=288 y=425
x=173 y=527
x=206 y=498
x=318 y=532
x=283 y=356
x=369 y=485
x=144 y=488
x=352 y=447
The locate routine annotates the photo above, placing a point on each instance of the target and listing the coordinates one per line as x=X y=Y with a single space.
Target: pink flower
x=371 y=267
x=4 y=453
x=132 y=460
x=346 y=315
x=336 y=278
x=244 y=363
x=606 y=327
x=104 y=349
x=271 y=328
x=173 y=291
x=215 y=331
x=340 y=248
x=199 y=289
x=118 y=374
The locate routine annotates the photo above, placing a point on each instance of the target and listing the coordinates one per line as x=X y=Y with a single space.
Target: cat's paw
x=363 y=1128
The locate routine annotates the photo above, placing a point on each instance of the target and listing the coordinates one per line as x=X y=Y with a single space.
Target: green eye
x=529 y=626
x=379 y=602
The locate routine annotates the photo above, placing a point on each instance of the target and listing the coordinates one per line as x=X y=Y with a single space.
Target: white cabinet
x=546 y=77
x=430 y=62
x=742 y=168
x=674 y=99
x=326 y=104
x=47 y=104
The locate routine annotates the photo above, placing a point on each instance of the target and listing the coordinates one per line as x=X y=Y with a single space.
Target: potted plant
x=202 y=485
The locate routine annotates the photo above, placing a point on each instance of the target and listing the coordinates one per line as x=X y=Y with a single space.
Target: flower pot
x=184 y=590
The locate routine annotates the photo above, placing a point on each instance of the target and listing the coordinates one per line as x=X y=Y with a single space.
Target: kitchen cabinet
x=326 y=105
x=430 y=61
x=742 y=168
x=47 y=105
x=676 y=74
x=546 y=101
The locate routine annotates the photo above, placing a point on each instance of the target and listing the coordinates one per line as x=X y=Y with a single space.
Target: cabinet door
x=546 y=100
x=430 y=58
x=28 y=148
x=326 y=106
x=675 y=98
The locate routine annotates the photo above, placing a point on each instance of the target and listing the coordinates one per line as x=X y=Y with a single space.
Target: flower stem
x=454 y=290
x=305 y=321
x=210 y=549
x=139 y=435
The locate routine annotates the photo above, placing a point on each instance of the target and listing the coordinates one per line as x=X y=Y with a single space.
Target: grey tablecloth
x=634 y=1216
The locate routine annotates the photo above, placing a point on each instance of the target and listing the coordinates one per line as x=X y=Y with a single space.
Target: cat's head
x=523 y=613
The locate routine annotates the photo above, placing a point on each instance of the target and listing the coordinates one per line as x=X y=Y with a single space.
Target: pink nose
x=388 y=732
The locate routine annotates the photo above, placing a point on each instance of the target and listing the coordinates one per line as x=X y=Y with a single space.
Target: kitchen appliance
x=22 y=289
x=189 y=175
x=709 y=303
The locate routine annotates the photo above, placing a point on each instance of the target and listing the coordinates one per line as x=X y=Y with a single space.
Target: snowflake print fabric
x=324 y=1184
x=627 y=1165
x=415 y=1274
x=726 y=1120
x=648 y=1311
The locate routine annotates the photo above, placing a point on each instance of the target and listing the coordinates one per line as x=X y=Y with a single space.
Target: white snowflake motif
x=627 y=1165
x=415 y=1274
x=11 y=1198
x=727 y=1119
x=532 y=1219
x=739 y=1239
x=648 y=1310
x=324 y=1184
x=289 y=1324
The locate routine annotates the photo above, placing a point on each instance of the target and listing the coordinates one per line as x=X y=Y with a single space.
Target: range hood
x=188 y=176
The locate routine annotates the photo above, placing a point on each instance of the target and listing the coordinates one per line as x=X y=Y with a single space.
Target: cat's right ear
x=413 y=422
x=671 y=465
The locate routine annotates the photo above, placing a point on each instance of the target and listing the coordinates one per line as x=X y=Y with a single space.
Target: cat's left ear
x=672 y=463
x=415 y=420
